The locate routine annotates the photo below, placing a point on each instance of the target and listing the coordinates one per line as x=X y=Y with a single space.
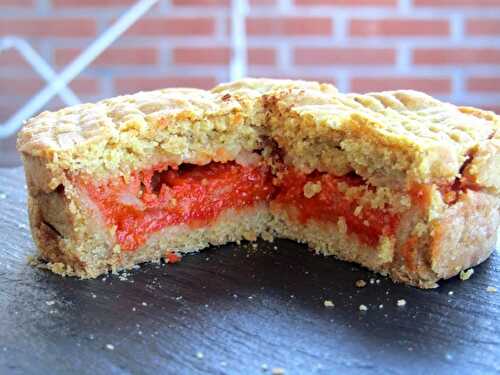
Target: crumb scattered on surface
x=491 y=289
x=144 y=304
x=401 y=302
x=199 y=355
x=50 y=303
x=372 y=280
x=466 y=274
x=381 y=306
x=363 y=308
x=361 y=283
x=110 y=347
x=328 y=303
x=278 y=371
x=450 y=293
x=3 y=195
x=311 y=189
x=264 y=367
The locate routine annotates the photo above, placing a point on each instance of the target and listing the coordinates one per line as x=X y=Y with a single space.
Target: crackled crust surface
x=393 y=141
x=391 y=138
x=125 y=133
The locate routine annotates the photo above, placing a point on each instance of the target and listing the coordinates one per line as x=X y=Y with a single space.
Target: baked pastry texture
x=397 y=181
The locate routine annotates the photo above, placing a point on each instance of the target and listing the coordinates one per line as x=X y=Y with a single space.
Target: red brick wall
x=449 y=48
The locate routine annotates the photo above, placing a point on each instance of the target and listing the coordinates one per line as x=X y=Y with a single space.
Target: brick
x=349 y=3
x=201 y=56
x=214 y=3
x=169 y=26
x=344 y=56
x=462 y=56
x=17 y=3
x=45 y=27
x=294 y=26
x=19 y=86
x=221 y=56
x=262 y=56
x=133 y=84
x=263 y=2
x=26 y=86
x=111 y=57
x=398 y=27
x=85 y=86
x=460 y=3
x=431 y=85
x=90 y=3
x=483 y=84
x=11 y=57
x=478 y=27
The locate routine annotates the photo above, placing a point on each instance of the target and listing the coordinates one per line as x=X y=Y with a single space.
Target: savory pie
x=397 y=181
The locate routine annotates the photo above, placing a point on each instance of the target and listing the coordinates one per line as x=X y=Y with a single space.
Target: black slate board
x=229 y=310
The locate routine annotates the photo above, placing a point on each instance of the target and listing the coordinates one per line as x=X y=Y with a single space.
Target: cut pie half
x=396 y=181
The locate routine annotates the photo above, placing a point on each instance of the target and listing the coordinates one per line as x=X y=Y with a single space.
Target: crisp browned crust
x=392 y=139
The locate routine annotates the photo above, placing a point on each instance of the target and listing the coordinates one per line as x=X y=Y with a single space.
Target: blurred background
x=447 y=48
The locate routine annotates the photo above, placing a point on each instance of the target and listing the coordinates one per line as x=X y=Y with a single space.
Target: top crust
x=117 y=135
x=392 y=138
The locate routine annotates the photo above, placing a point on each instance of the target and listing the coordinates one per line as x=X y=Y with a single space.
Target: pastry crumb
x=360 y=283
x=50 y=303
x=278 y=371
x=311 y=189
x=491 y=289
x=466 y=274
x=328 y=303
x=401 y=302
x=199 y=355
x=110 y=347
x=363 y=308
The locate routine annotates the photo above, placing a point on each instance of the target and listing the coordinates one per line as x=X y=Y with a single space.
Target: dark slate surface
x=229 y=310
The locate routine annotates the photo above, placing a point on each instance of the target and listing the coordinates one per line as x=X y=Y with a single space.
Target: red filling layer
x=331 y=203
x=194 y=195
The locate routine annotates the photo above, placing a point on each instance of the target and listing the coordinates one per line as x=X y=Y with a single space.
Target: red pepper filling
x=330 y=203
x=194 y=195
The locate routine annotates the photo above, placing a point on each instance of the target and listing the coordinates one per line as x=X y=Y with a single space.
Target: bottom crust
x=93 y=260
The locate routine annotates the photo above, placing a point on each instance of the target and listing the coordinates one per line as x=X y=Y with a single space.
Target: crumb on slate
x=401 y=302
x=466 y=274
x=363 y=308
x=361 y=283
x=491 y=289
x=278 y=371
x=110 y=347
x=199 y=355
x=328 y=303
